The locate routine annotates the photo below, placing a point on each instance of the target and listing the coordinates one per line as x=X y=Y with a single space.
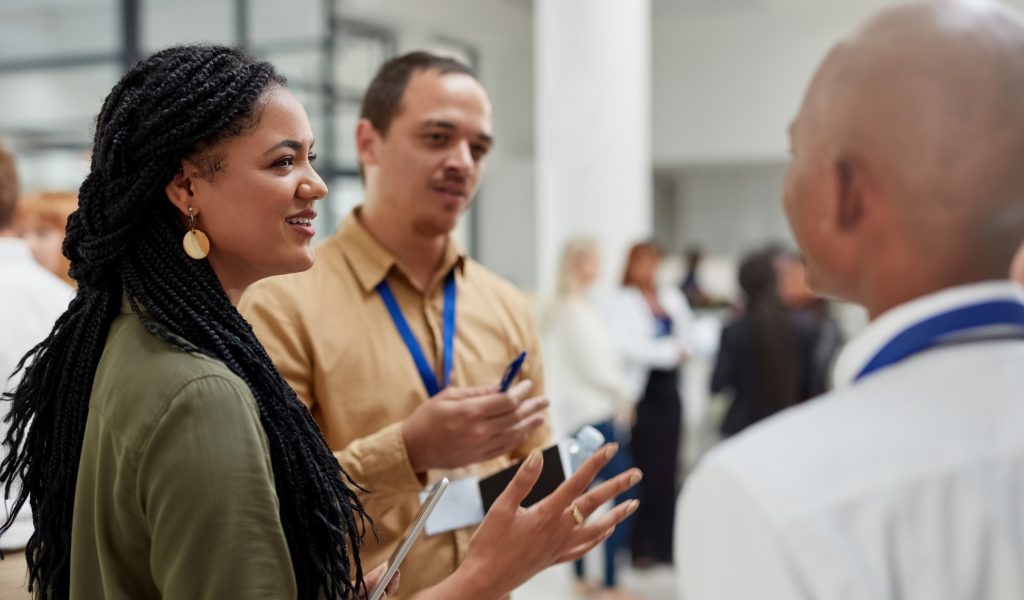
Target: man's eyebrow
x=291 y=144
x=449 y=126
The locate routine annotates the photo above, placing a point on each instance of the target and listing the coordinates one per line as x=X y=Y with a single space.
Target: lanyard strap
x=969 y=323
x=426 y=372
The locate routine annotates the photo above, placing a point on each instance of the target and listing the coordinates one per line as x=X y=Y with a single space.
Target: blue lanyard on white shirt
x=448 y=332
x=951 y=326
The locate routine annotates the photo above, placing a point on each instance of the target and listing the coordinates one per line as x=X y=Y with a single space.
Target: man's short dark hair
x=383 y=97
x=9 y=188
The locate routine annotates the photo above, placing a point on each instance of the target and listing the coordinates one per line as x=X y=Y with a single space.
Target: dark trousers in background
x=620 y=463
x=657 y=435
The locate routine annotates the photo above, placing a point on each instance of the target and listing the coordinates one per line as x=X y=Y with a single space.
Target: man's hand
x=462 y=426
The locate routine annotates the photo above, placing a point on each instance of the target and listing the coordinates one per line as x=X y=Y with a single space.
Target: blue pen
x=512 y=371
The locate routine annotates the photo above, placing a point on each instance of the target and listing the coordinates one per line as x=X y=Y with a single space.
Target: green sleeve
x=206 y=487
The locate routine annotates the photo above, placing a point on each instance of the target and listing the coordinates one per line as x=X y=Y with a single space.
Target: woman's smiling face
x=257 y=206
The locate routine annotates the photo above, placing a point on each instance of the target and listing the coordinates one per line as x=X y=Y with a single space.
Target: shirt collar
x=862 y=348
x=14 y=249
x=372 y=262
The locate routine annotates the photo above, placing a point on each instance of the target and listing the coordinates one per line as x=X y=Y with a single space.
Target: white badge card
x=460 y=507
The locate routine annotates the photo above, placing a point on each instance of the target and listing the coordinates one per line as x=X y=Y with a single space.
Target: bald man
x=906 y=195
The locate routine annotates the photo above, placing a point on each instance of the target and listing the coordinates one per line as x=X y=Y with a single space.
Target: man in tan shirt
x=395 y=421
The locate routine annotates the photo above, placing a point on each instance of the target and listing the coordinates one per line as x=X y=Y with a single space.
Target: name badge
x=461 y=506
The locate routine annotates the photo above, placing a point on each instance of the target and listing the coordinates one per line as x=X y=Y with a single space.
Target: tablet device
x=410 y=537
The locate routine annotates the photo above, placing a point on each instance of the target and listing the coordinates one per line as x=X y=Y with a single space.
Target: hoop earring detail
x=195 y=243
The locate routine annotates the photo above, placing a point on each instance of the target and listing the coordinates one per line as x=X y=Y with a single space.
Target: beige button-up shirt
x=331 y=336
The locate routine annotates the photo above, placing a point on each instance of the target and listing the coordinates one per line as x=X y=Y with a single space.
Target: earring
x=196 y=244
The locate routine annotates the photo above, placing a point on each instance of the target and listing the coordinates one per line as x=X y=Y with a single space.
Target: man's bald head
x=924 y=106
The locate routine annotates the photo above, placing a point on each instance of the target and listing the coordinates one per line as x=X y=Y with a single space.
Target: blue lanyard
x=943 y=328
x=426 y=372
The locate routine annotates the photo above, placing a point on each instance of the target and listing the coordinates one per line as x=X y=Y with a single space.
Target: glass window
x=273 y=21
x=302 y=67
x=38 y=30
x=346 y=117
x=51 y=169
x=54 y=107
x=359 y=52
x=186 y=21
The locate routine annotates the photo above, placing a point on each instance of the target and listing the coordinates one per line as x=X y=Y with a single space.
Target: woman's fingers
x=524 y=480
x=593 y=533
x=577 y=484
x=608 y=490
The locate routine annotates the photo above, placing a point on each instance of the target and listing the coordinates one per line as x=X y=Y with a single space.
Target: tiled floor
x=556 y=583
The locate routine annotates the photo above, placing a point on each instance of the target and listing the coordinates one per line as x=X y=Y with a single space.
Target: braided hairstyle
x=124 y=239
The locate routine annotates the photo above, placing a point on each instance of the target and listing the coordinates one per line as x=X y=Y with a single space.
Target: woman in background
x=652 y=324
x=164 y=455
x=586 y=377
x=42 y=220
x=764 y=359
x=813 y=315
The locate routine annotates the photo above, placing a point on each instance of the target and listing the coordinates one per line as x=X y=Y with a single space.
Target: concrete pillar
x=592 y=69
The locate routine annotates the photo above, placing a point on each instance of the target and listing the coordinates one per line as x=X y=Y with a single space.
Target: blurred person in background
x=31 y=299
x=587 y=379
x=764 y=356
x=814 y=314
x=651 y=323
x=691 y=281
x=905 y=195
x=42 y=221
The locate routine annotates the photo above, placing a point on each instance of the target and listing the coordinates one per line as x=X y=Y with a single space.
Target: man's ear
x=367 y=139
x=179 y=189
x=850 y=195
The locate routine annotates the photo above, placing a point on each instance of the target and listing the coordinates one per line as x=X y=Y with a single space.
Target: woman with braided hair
x=161 y=452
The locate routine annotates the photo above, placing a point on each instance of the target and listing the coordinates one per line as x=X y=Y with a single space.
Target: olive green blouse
x=175 y=495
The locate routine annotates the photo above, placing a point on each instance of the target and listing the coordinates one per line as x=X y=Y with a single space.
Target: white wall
x=727 y=83
x=593 y=128
x=730 y=210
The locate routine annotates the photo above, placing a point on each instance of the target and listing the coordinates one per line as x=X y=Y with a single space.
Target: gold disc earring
x=196 y=244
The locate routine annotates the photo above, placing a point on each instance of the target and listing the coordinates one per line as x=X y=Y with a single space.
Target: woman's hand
x=373 y=577
x=515 y=543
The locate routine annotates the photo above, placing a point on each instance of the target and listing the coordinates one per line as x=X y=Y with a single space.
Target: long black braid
x=125 y=238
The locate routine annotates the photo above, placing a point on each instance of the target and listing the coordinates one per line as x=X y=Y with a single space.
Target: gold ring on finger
x=577 y=515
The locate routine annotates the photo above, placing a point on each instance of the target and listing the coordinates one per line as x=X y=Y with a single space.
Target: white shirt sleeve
x=632 y=326
x=726 y=547
x=591 y=354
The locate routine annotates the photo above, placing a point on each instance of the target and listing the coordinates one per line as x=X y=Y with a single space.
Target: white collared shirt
x=905 y=484
x=31 y=299
x=634 y=328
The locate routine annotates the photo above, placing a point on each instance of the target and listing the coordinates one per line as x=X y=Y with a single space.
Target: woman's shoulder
x=140 y=375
